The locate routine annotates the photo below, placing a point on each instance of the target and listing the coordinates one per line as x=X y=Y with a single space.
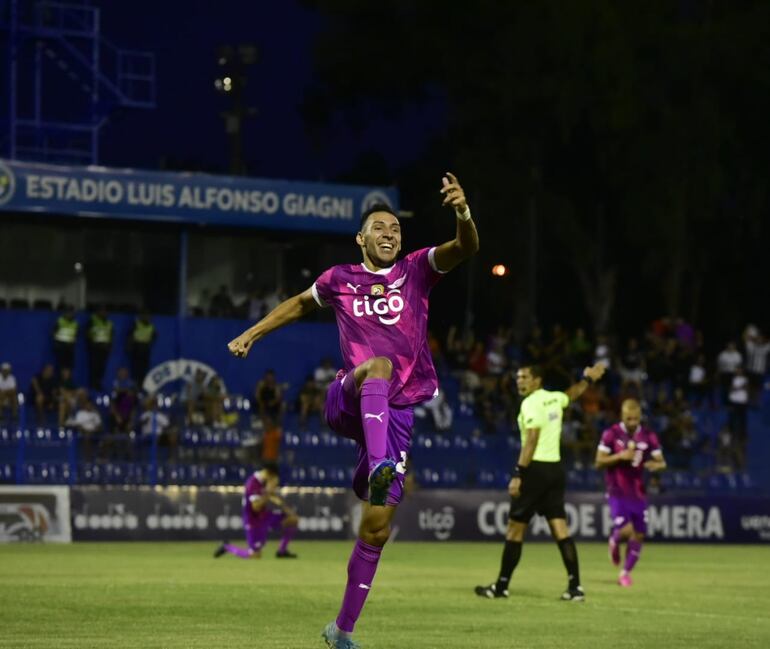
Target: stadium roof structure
x=185 y=199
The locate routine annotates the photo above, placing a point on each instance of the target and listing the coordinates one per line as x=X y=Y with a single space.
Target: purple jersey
x=252 y=490
x=624 y=480
x=385 y=313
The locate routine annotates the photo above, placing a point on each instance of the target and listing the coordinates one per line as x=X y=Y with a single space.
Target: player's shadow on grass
x=515 y=594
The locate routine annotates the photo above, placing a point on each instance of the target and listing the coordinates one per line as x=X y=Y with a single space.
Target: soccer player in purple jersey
x=625 y=450
x=381 y=306
x=263 y=510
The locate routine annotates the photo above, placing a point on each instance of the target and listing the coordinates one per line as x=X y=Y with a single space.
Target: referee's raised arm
x=590 y=376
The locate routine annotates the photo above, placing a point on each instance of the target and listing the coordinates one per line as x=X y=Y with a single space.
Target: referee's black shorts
x=542 y=492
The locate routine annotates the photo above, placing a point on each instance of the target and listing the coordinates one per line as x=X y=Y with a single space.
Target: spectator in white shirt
x=8 y=391
x=155 y=423
x=698 y=380
x=739 y=403
x=728 y=361
x=441 y=411
x=324 y=374
x=496 y=360
x=87 y=422
x=757 y=350
x=602 y=352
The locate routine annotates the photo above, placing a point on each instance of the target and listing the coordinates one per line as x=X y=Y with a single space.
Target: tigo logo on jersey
x=387 y=308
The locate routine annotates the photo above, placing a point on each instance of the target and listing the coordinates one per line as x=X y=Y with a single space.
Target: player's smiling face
x=526 y=383
x=380 y=239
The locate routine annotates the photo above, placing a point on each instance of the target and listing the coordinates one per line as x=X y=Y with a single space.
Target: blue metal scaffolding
x=57 y=50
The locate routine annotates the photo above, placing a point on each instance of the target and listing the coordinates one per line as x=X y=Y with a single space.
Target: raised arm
x=285 y=313
x=466 y=241
x=590 y=375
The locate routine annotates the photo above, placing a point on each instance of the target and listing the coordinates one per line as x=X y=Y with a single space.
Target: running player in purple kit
x=625 y=450
x=263 y=510
x=381 y=306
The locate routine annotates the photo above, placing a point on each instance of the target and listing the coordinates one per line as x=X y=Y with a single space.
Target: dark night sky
x=186 y=130
x=187 y=126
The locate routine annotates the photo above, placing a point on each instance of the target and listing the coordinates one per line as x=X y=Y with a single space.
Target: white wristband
x=466 y=215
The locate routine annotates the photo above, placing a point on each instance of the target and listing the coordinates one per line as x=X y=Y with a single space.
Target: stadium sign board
x=441 y=515
x=34 y=514
x=195 y=513
x=186 y=197
x=212 y=513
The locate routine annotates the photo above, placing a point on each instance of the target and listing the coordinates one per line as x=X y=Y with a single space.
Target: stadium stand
x=165 y=445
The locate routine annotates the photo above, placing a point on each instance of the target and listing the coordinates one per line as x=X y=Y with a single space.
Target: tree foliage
x=637 y=128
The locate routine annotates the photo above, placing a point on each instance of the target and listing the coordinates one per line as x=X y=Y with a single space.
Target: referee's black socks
x=570 y=559
x=511 y=556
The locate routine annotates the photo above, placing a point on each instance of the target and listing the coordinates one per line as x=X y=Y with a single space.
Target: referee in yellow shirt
x=538 y=481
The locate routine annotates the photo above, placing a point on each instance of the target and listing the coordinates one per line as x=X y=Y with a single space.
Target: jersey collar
x=382 y=271
x=625 y=430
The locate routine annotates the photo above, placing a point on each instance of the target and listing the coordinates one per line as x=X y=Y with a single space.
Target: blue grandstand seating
x=314 y=456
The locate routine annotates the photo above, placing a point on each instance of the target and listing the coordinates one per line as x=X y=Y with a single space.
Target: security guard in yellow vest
x=100 y=343
x=140 y=342
x=65 y=335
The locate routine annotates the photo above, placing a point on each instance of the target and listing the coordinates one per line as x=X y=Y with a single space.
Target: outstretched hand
x=453 y=193
x=241 y=345
x=595 y=372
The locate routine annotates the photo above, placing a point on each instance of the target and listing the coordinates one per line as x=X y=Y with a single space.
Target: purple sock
x=361 y=569
x=288 y=535
x=243 y=553
x=633 y=550
x=374 y=416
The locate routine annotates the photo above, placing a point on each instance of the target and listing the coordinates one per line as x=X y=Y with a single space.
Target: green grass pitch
x=175 y=595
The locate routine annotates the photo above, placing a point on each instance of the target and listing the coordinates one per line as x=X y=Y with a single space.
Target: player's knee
x=379 y=367
x=380 y=537
x=377 y=536
x=515 y=531
x=291 y=521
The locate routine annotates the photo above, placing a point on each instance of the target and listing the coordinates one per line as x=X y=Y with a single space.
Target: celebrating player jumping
x=625 y=450
x=381 y=306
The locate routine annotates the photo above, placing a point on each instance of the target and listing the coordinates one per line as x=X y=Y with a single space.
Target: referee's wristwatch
x=518 y=471
x=588 y=379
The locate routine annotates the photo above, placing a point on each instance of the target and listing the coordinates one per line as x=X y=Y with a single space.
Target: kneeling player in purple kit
x=381 y=306
x=263 y=510
x=625 y=450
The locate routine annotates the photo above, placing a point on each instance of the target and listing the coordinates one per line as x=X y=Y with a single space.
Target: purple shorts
x=258 y=527
x=343 y=414
x=628 y=510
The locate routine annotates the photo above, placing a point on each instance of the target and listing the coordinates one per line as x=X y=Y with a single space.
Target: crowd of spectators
x=668 y=369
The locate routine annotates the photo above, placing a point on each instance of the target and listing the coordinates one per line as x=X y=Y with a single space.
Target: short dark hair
x=535 y=370
x=377 y=207
x=272 y=468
